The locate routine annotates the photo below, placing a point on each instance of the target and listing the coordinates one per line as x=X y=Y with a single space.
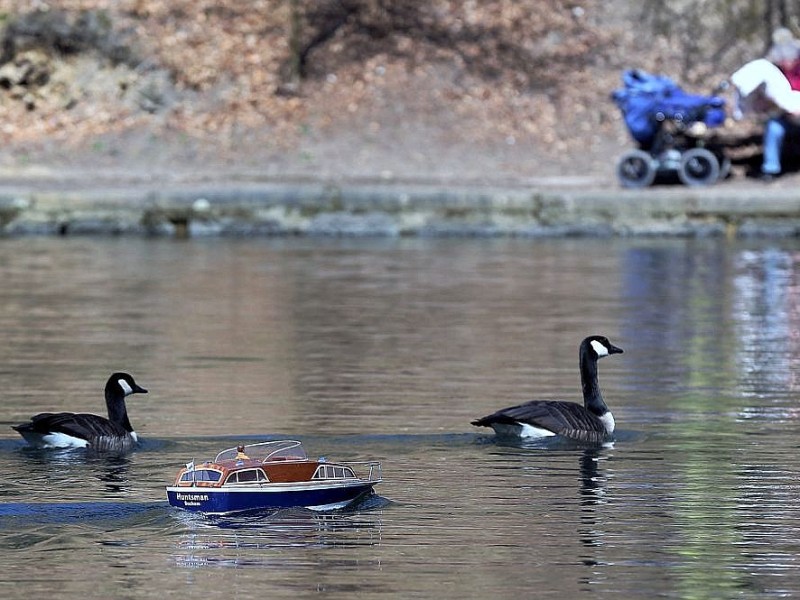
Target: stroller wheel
x=636 y=169
x=699 y=167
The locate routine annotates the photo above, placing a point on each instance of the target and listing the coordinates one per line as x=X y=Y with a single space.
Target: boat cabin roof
x=280 y=461
x=263 y=452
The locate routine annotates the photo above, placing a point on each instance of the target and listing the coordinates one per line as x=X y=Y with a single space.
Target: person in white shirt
x=764 y=89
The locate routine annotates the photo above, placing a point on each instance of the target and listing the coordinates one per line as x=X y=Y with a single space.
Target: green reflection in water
x=704 y=443
x=704 y=510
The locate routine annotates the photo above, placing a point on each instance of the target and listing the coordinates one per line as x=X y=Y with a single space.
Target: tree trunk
x=295 y=45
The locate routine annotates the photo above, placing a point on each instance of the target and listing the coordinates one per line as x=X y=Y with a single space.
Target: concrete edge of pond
x=395 y=209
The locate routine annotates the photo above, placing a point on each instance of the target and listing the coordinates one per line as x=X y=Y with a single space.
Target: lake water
x=386 y=349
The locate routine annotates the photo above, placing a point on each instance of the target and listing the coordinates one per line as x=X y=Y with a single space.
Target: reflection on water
x=260 y=540
x=385 y=350
x=768 y=310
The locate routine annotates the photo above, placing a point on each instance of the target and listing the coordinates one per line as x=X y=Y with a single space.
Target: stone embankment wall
x=262 y=209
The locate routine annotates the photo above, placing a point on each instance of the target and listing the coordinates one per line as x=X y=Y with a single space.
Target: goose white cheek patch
x=125 y=387
x=599 y=349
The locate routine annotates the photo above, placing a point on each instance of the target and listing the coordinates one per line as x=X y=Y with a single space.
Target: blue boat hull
x=224 y=501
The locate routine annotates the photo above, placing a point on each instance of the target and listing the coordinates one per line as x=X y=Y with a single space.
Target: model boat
x=270 y=475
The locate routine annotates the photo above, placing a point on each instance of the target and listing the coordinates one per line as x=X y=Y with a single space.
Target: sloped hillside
x=335 y=88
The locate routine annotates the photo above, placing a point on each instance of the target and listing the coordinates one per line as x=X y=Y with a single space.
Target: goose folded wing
x=80 y=425
x=574 y=421
x=563 y=418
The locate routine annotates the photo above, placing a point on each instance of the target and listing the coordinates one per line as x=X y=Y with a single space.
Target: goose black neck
x=117 y=412
x=592 y=398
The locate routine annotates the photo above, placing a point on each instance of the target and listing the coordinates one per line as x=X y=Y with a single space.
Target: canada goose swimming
x=81 y=430
x=591 y=422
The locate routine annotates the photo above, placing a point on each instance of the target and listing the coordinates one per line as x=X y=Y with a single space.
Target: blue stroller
x=670 y=127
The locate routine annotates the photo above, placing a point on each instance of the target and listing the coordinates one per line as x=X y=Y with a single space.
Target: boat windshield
x=266 y=451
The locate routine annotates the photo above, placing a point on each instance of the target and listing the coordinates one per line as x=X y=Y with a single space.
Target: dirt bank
x=498 y=91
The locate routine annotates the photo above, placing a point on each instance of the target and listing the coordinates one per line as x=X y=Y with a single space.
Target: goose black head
x=122 y=384
x=599 y=346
